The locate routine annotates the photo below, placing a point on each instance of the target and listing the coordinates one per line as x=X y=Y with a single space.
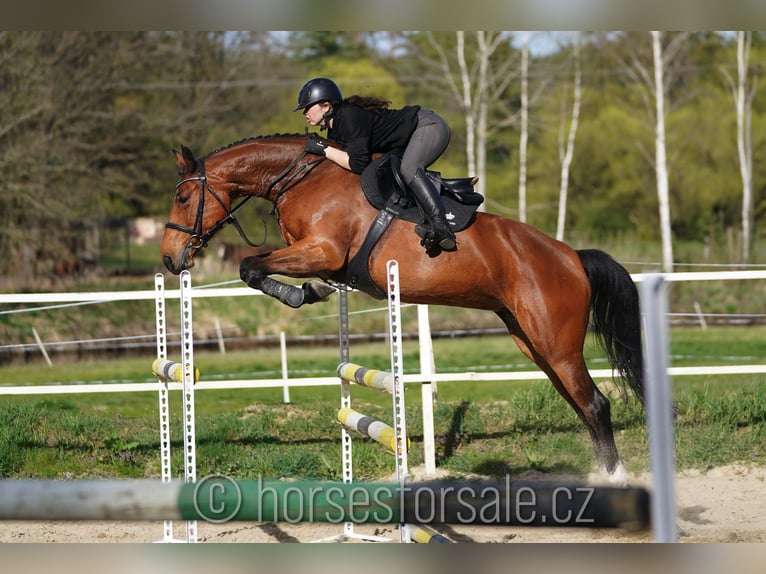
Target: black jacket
x=363 y=133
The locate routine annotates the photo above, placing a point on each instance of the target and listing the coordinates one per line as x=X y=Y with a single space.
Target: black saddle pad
x=378 y=183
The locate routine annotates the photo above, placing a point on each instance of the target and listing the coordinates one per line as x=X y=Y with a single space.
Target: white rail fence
x=427 y=368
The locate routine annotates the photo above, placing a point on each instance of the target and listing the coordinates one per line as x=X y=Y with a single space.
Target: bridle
x=198 y=238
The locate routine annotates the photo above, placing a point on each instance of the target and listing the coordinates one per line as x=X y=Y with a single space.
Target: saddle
x=384 y=188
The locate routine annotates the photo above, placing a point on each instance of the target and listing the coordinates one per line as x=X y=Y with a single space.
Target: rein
x=198 y=238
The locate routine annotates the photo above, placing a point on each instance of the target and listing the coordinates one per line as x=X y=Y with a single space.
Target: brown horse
x=544 y=291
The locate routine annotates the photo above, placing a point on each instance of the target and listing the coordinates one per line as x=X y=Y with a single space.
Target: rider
x=365 y=125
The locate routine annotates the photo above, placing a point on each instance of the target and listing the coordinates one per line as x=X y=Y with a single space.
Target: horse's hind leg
x=594 y=410
x=566 y=369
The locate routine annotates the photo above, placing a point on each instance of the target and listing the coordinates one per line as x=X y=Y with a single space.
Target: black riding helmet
x=318 y=90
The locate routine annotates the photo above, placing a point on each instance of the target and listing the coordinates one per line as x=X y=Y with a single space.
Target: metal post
x=187 y=346
x=397 y=370
x=427 y=388
x=159 y=310
x=659 y=407
x=283 y=354
x=345 y=397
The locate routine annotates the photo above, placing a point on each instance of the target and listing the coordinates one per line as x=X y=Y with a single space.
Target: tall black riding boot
x=431 y=203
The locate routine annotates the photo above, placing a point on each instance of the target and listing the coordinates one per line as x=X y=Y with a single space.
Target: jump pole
x=221 y=499
x=186 y=374
x=425 y=535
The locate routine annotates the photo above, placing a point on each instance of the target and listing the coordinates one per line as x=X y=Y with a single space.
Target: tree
x=653 y=88
x=743 y=93
x=524 y=128
x=87 y=122
x=567 y=151
x=660 y=153
x=480 y=87
x=59 y=132
x=316 y=45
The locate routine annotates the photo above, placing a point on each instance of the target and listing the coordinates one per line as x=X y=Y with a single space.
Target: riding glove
x=317 y=146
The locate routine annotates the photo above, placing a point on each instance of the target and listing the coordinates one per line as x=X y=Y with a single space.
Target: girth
x=358 y=269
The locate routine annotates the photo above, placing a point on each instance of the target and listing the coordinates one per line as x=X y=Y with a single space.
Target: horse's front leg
x=255 y=272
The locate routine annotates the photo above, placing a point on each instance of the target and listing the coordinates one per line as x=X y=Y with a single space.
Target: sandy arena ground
x=725 y=504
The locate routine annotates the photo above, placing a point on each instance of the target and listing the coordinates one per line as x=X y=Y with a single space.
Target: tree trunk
x=744 y=140
x=470 y=129
x=524 y=129
x=661 y=154
x=568 y=152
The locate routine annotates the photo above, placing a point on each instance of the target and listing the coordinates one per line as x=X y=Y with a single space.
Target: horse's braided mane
x=252 y=138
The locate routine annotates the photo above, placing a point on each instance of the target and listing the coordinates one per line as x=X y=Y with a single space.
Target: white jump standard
x=184 y=373
x=393 y=437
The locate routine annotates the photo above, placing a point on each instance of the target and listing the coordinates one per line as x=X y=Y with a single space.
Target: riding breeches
x=427 y=143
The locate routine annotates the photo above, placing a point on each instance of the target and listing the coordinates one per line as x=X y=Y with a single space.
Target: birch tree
x=524 y=135
x=660 y=152
x=744 y=93
x=653 y=86
x=477 y=78
x=566 y=152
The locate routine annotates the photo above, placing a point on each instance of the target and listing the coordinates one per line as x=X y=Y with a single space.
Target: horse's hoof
x=248 y=274
x=250 y=279
x=618 y=476
x=316 y=291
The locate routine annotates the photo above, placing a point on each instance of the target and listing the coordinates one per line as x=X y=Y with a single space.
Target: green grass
x=481 y=428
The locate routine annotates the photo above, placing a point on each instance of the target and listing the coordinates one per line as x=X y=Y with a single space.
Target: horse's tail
x=616 y=315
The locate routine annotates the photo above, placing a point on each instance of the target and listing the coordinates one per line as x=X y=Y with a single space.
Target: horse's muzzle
x=171 y=265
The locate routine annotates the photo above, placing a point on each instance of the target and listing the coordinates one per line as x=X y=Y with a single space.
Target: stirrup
x=447 y=243
x=429 y=238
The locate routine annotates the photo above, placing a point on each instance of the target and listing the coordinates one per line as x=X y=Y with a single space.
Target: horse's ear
x=185 y=159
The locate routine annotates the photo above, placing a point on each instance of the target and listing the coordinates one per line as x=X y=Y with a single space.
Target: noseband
x=198 y=238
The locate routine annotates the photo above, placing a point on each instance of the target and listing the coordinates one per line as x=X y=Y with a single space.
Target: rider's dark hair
x=367 y=103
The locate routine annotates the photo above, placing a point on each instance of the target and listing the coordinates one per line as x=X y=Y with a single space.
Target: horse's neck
x=264 y=168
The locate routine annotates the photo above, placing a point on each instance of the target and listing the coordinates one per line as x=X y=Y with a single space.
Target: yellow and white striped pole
x=368 y=426
x=370 y=378
x=171 y=371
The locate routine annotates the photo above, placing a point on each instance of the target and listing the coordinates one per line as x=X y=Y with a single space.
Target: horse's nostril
x=168 y=261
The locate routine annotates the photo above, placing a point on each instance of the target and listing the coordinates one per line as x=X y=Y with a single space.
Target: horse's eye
x=181 y=198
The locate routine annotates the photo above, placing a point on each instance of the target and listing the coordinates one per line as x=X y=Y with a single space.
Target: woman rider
x=365 y=125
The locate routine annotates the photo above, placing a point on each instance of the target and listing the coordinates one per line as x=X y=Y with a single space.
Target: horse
x=545 y=292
